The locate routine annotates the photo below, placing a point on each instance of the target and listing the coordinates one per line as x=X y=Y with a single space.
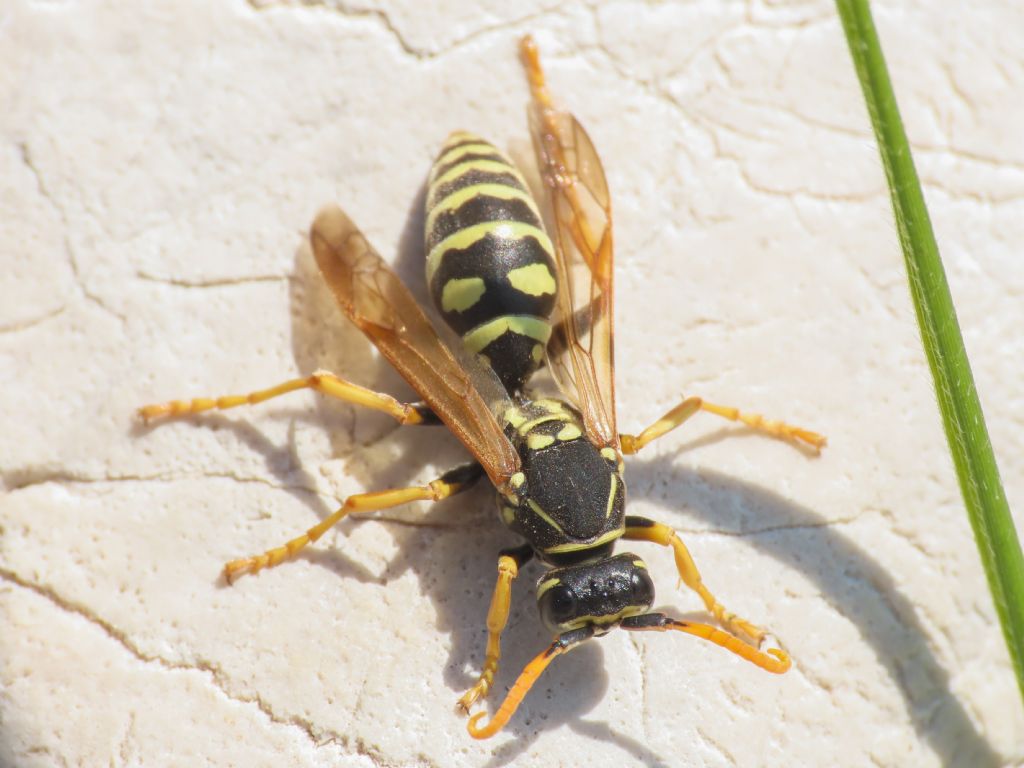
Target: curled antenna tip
x=480 y=733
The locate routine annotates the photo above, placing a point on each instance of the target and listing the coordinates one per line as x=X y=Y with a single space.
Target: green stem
x=940 y=332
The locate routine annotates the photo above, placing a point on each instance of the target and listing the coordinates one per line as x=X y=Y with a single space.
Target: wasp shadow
x=847 y=576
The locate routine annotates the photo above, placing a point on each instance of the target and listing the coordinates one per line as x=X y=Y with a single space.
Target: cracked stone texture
x=160 y=163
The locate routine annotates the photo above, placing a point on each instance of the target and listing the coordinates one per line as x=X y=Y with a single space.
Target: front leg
x=509 y=563
x=643 y=529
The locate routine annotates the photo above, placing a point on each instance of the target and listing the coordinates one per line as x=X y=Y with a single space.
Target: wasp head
x=597 y=594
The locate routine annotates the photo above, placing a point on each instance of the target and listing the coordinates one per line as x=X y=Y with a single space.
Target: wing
x=581 y=356
x=374 y=298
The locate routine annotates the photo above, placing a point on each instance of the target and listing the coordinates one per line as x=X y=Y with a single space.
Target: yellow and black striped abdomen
x=490 y=265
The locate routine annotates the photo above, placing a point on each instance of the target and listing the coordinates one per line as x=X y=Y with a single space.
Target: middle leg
x=691 y=405
x=451 y=482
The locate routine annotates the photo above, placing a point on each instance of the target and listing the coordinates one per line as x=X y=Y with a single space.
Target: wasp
x=520 y=298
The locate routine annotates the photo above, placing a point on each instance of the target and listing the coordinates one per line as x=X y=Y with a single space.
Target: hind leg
x=322 y=381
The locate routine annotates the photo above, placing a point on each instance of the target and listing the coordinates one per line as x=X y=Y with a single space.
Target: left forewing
x=374 y=298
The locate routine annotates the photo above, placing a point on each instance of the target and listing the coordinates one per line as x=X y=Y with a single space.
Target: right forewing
x=578 y=205
x=374 y=298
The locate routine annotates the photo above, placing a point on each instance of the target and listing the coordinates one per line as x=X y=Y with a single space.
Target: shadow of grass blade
x=958 y=400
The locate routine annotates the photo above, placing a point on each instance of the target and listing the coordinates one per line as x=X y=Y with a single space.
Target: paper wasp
x=519 y=298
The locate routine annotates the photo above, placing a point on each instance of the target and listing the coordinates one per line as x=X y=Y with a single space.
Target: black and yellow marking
x=490 y=264
x=565 y=520
x=563 y=592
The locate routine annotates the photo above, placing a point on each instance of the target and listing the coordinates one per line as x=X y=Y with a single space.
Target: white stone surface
x=159 y=164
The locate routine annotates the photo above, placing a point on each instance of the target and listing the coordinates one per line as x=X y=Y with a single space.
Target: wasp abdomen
x=490 y=265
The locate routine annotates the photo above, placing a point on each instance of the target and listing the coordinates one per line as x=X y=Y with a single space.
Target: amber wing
x=579 y=211
x=375 y=299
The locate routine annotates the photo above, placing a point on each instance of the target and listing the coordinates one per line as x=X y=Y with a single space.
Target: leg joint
x=508 y=568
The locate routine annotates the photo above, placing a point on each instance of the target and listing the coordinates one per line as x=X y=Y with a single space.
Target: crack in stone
x=213 y=282
x=20 y=481
x=374 y=14
x=316 y=736
x=43 y=750
x=709 y=124
x=26 y=158
x=715 y=746
x=80 y=282
x=641 y=661
x=23 y=325
x=69 y=250
x=864 y=134
x=122 y=639
x=383 y=19
x=126 y=740
x=773 y=528
x=823 y=683
x=955 y=88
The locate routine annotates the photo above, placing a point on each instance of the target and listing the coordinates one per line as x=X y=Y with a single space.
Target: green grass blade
x=943 y=344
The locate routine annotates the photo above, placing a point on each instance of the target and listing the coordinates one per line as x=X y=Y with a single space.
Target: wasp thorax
x=600 y=593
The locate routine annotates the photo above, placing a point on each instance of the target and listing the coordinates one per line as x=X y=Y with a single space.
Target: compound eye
x=562 y=604
x=641 y=588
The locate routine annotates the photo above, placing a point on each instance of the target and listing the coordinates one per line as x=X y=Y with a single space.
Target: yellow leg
x=321 y=381
x=497 y=616
x=450 y=483
x=668 y=422
x=642 y=529
x=690 y=406
x=534 y=72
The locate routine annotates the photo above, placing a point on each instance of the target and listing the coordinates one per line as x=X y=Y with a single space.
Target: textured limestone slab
x=158 y=167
